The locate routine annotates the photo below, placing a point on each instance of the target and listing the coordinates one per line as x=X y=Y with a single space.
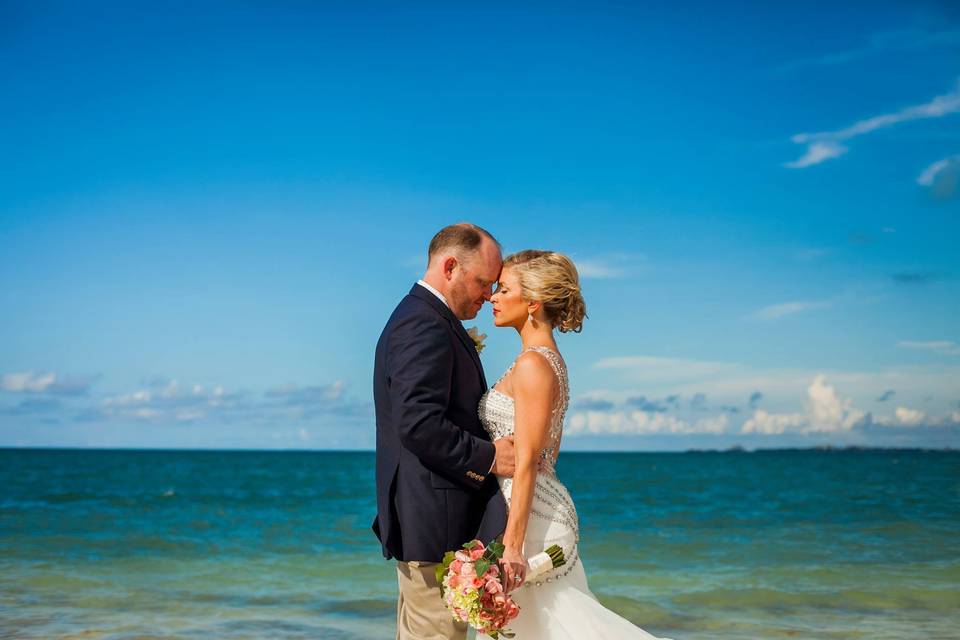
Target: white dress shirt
x=426 y=286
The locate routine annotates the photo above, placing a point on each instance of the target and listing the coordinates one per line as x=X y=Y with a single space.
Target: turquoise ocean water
x=696 y=545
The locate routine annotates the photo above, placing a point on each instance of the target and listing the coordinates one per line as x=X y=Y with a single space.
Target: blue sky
x=208 y=212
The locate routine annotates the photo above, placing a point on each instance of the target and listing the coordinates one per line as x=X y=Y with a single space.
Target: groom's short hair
x=462 y=237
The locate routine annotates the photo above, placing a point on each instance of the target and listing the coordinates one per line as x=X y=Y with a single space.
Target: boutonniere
x=477 y=338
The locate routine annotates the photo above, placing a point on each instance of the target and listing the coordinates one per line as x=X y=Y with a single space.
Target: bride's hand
x=514 y=567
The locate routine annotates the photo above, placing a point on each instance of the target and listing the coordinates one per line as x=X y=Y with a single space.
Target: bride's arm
x=532 y=382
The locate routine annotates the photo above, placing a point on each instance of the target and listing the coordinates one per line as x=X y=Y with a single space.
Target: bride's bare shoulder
x=532 y=373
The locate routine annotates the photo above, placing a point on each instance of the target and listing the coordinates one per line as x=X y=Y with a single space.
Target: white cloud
x=614 y=265
x=827 y=411
x=930 y=174
x=51 y=383
x=775 y=311
x=173 y=402
x=910 y=417
x=596 y=269
x=824 y=412
x=20 y=382
x=619 y=378
x=773 y=423
x=825 y=145
x=907 y=417
x=817 y=152
x=944 y=347
x=640 y=423
x=942 y=176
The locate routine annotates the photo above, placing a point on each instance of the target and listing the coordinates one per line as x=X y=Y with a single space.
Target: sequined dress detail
x=556 y=605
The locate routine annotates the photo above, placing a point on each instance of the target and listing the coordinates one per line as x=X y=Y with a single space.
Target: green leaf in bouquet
x=440 y=571
x=481 y=566
x=448 y=558
x=496 y=548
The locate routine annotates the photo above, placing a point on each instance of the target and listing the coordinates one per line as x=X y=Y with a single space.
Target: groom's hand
x=504 y=460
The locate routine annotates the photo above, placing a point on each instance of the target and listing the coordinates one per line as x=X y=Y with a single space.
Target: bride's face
x=509 y=307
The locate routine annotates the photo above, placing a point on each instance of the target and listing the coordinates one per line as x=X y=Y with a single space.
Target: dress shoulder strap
x=556 y=362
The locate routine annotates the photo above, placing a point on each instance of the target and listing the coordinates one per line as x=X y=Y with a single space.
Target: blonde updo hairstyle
x=551 y=279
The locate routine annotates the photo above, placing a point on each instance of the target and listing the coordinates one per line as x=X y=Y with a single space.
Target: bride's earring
x=530 y=318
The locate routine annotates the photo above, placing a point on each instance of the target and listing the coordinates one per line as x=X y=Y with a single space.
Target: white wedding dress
x=557 y=604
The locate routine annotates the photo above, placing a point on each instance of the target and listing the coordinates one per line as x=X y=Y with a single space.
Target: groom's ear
x=449 y=263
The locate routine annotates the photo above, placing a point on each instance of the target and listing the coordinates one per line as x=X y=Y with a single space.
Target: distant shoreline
x=731 y=449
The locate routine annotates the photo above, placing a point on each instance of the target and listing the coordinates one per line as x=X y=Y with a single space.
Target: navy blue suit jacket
x=434 y=489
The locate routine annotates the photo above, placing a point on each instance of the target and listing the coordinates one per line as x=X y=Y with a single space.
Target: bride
x=538 y=292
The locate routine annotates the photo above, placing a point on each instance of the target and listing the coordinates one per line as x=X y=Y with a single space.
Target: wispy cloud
x=597 y=269
x=642 y=423
x=614 y=265
x=930 y=173
x=817 y=151
x=48 y=383
x=772 y=312
x=878 y=44
x=660 y=369
x=170 y=402
x=942 y=347
x=825 y=145
x=942 y=176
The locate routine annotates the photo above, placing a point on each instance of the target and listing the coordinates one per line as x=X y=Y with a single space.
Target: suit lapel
x=471 y=347
x=458 y=329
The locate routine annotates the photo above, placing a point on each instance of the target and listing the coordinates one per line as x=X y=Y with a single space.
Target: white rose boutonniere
x=477 y=338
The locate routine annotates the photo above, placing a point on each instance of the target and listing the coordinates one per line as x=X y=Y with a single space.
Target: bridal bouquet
x=471 y=585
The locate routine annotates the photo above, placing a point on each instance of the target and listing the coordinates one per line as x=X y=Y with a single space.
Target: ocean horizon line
x=730 y=449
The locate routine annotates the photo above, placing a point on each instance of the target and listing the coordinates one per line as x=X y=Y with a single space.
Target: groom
x=435 y=463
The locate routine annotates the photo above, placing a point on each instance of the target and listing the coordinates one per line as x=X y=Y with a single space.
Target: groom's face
x=473 y=281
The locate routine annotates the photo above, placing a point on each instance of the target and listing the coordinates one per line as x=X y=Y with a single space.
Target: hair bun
x=552 y=279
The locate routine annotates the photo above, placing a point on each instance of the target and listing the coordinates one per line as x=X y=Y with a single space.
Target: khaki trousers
x=421 y=614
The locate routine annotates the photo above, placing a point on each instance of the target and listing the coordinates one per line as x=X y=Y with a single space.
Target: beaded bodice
x=497 y=410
